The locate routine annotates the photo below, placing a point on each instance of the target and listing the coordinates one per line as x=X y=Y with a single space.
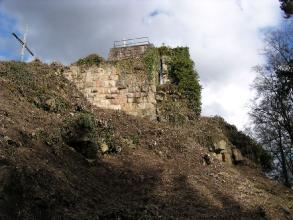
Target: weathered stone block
x=237 y=155
x=117 y=101
x=98 y=83
x=114 y=90
x=159 y=97
x=130 y=99
x=88 y=84
x=220 y=146
x=115 y=107
x=121 y=84
x=114 y=77
x=111 y=96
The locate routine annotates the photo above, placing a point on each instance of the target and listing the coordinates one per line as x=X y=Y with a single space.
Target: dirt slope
x=159 y=173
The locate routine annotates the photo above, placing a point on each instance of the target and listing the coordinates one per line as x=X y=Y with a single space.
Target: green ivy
x=152 y=61
x=126 y=65
x=183 y=74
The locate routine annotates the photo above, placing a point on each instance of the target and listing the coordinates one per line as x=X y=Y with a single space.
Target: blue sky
x=225 y=37
x=7 y=25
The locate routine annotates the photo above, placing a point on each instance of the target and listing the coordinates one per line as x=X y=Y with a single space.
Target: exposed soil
x=159 y=173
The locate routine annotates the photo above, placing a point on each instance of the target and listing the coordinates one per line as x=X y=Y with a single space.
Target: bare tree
x=272 y=109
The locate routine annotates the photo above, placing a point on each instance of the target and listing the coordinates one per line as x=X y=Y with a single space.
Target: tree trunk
x=283 y=160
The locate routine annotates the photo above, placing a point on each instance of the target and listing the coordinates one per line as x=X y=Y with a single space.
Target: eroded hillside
x=61 y=158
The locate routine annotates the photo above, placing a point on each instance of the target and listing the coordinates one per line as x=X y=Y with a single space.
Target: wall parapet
x=120 y=53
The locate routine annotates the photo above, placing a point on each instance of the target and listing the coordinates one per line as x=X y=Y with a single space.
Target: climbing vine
x=182 y=73
x=151 y=61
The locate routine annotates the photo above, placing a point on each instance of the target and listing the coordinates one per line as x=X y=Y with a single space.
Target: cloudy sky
x=224 y=36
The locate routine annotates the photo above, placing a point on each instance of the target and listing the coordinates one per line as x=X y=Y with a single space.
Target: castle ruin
x=131 y=90
x=110 y=87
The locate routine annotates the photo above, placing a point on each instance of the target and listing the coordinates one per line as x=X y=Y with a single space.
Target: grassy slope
x=161 y=176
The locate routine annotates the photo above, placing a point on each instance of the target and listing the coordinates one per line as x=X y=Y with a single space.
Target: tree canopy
x=287 y=7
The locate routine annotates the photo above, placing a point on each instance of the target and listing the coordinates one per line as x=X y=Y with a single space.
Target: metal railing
x=131 y=42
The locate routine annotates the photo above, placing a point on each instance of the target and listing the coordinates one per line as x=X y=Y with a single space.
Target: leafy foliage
x=287 y=7
x=80 y=133
x=90 y=60
x=173 y=106
x=86 y=122
x=182 y=73
x=151 y=61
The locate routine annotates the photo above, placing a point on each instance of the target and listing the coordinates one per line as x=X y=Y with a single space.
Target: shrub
x=86 y=122
x=80 y=133
x=90 y=60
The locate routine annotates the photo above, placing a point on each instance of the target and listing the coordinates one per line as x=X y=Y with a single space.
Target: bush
x=86 y=122
x=80 y=133
x=90 y=60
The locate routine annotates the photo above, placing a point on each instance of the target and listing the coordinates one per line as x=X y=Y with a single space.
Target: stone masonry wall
x=108 y=87
x=120 y=53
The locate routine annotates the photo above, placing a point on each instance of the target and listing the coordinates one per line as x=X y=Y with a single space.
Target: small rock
x=11 y=142
x=118 y=149
x=50 y=104
x=160 y=153
x=79 y=107
x=220 y=146
x=104 y=147
x=33 y=134
x=141 y=177
x=159 y=98
x=129 y=143
x=207 y=159
x=7 y=139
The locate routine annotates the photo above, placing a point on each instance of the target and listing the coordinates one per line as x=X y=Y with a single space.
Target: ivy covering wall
x=183 y=74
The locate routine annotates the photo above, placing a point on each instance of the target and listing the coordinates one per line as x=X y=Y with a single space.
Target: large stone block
x=220 y=146
x=118 y=101
x=111 y=96
x=115 y=107
x=237 y=155
x=114 y=90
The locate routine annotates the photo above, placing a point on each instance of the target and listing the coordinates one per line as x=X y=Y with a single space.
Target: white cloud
x=223 y=36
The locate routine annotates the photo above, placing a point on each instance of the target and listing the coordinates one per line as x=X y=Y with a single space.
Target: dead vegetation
x=79 y=162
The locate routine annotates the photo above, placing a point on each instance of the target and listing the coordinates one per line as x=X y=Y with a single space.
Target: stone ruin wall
x=120 y=53
x=108 y=87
